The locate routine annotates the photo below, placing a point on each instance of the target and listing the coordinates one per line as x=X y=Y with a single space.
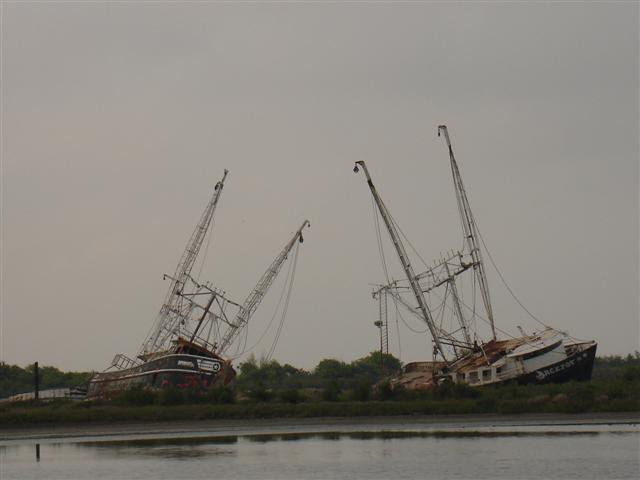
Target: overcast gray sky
x=118 y=119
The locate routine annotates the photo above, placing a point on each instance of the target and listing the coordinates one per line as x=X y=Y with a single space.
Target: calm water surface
x=562 y=452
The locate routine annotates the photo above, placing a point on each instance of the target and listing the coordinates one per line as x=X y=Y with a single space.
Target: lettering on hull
x=545 y=373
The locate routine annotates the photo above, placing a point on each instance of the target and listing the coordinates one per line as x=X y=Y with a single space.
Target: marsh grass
x=274 y=391
x=599 y=396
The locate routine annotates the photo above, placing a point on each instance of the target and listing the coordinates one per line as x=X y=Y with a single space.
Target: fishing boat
x=188 y=345
x=462 y=351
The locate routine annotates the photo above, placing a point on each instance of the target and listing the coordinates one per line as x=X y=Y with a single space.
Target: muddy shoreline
x=95 y=431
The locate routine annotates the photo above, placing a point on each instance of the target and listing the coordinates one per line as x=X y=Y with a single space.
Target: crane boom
x=250 y=305
x=197 y=237
x=470 y=230
x=404 y=260
x=172 y=313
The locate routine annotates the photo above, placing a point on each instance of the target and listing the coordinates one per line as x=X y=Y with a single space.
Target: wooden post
x=36 y=381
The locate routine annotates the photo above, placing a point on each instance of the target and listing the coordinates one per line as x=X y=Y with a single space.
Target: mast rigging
x=404 y=260
x=257 y=294
x=470 y=230
x=173 y=314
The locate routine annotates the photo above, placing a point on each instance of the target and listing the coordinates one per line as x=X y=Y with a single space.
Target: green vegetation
x=612 y=367
x=14 y=379
x=257 y=379
x=267 y=389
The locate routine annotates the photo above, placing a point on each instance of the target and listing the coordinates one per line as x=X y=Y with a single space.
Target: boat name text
x=542 y=374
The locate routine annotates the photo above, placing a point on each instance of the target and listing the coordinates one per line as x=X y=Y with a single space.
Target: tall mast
x=404 y=260
x=470 y=230
x=250 y=305
x=172 y=314
x=456 y=303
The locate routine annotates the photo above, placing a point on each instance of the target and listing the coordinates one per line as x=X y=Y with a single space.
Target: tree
x=375 y=362
x=331 y=369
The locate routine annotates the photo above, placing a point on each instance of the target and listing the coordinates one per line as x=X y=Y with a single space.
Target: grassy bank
x=61 y=414
x=336 y=389
x=598 y=396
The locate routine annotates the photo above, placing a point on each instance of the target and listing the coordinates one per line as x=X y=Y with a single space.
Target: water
x=385 y=451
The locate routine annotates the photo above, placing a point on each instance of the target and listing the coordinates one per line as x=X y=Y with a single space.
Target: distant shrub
x=456 y=390
x=513 y=406
x=583 y=392
x=223 y=394
x=407 y=395
x=291 y=396
x=384 y=391
x=331 y=392
x=574 y=407
x=617 y=391
x=171 y=396
x=137 y=396
x=362 y=391
x=487 y=405
x=631 y=373
x=258 y=393
x=194 y=396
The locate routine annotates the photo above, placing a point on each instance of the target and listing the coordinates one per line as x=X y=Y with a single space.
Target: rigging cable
x=376 y=222
x=286 y=302
x=507 y=334
x=206 y=250
x=474 y=298
x=239 y=352
x=473 y=311
x=408 y=241
x=504 y=282
x=404 y=321
x=384 y=265
x=477 y=315
x=393 y=221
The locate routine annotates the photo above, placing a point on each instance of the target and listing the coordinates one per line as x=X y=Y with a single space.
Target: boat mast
x=404 y=260
x=250 y=305
x=456 y=302
x=470 y=230
x=171 y=315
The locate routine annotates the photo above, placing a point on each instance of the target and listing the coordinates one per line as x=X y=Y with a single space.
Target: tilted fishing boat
x=196 y=326
x=460 y=353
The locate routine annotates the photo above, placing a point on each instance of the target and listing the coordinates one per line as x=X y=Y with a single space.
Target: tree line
x=255 y=376
x=269 y=380
x=15 y=379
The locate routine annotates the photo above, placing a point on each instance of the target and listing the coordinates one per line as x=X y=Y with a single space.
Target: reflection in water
x=180 y=448
x=292 y=437
x=371 y=455
x=175 y=453
x=367 y=435
x=150 y=442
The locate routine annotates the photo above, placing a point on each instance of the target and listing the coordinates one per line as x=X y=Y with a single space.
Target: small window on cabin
x=499 y=369
x=486 y=375
x=472 y=377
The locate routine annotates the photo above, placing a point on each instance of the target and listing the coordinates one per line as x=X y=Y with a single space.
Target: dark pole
x=378 y=323
x=381 y=351
x=36 y=381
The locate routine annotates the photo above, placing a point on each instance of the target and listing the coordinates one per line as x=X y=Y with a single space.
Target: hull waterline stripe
x=150 y=372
